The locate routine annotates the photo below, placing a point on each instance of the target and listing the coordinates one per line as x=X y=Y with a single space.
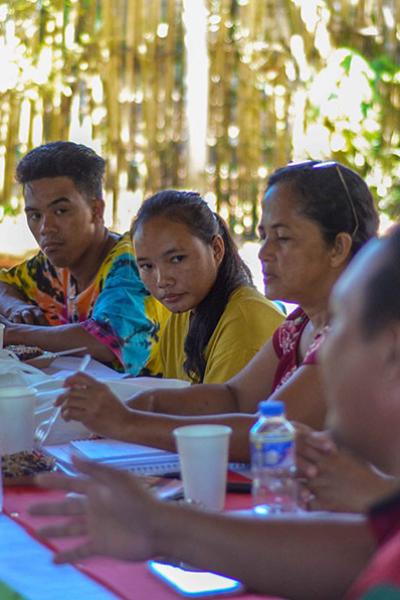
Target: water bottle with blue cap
x=273 y=461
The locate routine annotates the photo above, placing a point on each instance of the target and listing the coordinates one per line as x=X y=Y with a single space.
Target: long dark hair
x=190 y=209
x=334 y=205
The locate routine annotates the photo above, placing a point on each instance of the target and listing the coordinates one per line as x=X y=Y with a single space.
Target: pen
x=43 y=430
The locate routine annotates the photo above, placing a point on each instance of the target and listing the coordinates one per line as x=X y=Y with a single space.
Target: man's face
x=357 y=370
x=62 y=220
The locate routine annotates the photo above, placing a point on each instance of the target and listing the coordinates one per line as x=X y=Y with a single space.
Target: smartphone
x=192 y=583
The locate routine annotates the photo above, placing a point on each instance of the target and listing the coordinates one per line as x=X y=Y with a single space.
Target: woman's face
x=295 y=259
x=176 y=267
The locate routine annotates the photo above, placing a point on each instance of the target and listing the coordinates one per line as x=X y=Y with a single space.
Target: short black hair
x=64 y=159
x=321 y=196
x=381 y=298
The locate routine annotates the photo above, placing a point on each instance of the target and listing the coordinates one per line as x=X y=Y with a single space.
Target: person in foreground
x=315 y=217
x=188 y=260
x=336 y=557
x=83 y=287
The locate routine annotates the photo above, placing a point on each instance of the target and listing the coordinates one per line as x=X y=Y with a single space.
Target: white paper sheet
x=66 y=365
x=27 y=566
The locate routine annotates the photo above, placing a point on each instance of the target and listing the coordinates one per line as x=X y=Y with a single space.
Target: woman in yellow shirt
x=188 y=260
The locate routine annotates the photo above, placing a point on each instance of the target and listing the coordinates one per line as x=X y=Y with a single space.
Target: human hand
x=115 y=515
x=311 y=447
x=344 y=483
x=93 y=404
x=29 y=314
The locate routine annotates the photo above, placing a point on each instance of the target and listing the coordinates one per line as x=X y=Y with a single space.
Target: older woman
x=315 y=217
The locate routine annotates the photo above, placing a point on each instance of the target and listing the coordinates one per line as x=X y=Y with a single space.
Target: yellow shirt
x=247 y=322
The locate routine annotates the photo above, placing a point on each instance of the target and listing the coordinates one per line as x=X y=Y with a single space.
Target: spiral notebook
x=139 y=459
x=142 y=460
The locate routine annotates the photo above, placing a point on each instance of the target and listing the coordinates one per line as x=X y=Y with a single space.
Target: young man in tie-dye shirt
x=83 y=287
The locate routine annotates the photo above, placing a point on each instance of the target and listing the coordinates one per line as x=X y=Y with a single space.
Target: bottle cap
x=271 y=408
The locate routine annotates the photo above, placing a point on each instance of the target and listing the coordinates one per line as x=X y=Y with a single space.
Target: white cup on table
x=17 y=405
x=203 y=455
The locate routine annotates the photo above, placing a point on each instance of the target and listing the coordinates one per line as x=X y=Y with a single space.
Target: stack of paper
x=134 y=457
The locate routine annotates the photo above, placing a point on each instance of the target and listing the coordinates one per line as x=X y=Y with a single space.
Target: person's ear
x=341 y=250
x=218 y=247
x=98 y=210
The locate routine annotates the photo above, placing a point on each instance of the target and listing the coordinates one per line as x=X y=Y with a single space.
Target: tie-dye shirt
x=116 y=308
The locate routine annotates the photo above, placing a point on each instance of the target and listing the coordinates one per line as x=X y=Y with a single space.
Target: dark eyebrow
x=52 y=203
x=277 y=225
x=164 y=254
x=172 y=251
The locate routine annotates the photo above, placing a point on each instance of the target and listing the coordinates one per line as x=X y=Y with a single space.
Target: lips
x=51 y=246
x=171 y=298
x=268 y=276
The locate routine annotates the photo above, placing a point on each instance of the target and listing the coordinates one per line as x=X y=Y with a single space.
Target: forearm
x=196 y=400
x=56 y=338
x=285 y=557
x=156 y=430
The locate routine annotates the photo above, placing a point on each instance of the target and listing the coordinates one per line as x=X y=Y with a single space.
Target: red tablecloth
x=129 y=581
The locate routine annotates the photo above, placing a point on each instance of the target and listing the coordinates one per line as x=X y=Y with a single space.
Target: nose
x=163 y=278
x=48 y=223
x=265 y=252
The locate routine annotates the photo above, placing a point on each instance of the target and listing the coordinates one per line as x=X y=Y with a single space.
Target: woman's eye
x=177 y=259
x=282 y=238
x=145 y=267
x=34 y=216
x=60 y=211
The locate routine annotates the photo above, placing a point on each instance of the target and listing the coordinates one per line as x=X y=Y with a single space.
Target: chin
x=61 y=262
x=178 y=309
x=272 y=293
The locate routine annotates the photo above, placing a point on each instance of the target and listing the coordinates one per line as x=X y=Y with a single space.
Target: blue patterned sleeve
x=119 y=317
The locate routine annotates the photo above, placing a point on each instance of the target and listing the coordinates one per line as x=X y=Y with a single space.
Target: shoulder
x=123 y=245
x=381 y=577
x=177 y=323
x=245 y=299
x=120 y=260
x=287 y=334
x=31 y=267
x=247 y=322
x=295 y=322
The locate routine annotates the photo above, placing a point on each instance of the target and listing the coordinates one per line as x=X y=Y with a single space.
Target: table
x=117 y=579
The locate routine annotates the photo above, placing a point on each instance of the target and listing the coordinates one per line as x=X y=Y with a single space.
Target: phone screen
x=195 y=583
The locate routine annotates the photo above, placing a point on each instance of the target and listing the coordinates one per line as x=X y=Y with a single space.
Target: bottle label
x=279 y=453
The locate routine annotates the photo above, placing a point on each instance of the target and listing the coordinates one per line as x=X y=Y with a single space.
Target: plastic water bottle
x=272 y=441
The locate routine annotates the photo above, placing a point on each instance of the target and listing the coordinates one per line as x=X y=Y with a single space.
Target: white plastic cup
x=203 y=455
x=17 y=422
